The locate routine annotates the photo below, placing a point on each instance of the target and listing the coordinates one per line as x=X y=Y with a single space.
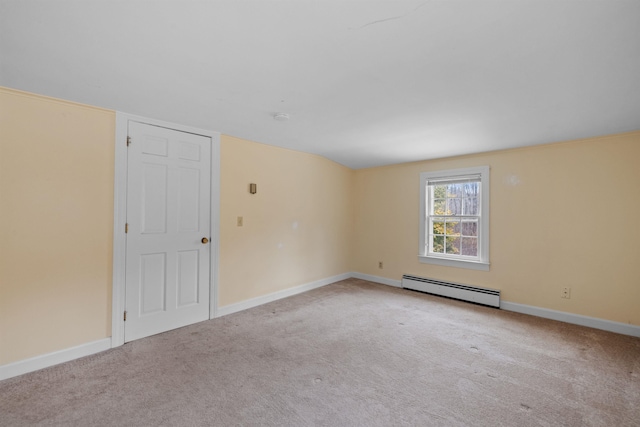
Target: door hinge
x=128 y=141
x=125 y=316
x=126 y=227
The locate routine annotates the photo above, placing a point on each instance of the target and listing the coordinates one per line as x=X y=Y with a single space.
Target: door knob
x=205 y=240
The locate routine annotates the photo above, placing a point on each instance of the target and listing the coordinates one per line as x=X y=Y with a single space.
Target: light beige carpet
x=349 y=354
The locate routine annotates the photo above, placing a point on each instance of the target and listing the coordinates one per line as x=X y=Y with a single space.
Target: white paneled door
x=168 y=229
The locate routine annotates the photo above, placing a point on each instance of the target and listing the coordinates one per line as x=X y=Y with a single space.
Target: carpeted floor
x=349 y=354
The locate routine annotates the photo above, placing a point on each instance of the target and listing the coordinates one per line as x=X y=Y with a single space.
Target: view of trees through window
x=454 y=213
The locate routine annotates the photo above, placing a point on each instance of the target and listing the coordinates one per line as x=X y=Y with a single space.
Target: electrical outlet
x=239 y=221
x=566 y=293
x=380 y=265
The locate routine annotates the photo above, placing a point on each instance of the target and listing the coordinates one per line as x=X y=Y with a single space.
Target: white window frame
x=482 y=261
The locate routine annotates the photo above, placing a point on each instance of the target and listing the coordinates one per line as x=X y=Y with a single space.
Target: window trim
x=483 y=227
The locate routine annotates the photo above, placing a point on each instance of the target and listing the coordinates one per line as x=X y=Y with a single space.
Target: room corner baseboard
x=46 y=360
x=377 y=279
x=576 y=319
x=264 y=299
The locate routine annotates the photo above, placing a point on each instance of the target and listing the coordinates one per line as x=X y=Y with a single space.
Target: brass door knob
x=205 y=240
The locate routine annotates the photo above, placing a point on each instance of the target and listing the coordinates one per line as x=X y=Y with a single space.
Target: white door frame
x=120 y=216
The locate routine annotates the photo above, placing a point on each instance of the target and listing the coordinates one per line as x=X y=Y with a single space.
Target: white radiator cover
x=484 y=296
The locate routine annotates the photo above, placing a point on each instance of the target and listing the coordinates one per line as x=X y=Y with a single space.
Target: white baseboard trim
x=377 y=279
x=576 y=319
x=264 y=299
x=46 y=360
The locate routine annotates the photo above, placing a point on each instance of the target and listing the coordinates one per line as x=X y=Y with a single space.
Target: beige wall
x=297 y=228
x=561 y=215
x=56 y=221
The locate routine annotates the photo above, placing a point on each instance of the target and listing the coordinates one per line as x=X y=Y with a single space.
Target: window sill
x=471 y=265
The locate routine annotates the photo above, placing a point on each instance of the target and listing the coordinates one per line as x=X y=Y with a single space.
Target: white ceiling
x=366 y=83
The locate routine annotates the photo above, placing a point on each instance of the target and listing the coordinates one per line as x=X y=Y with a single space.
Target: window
x=454 y=218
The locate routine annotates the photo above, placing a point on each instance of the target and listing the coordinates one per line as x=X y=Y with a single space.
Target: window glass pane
x=438 y=227
x=438 y=244
x=452 y=245
x=439 y=191
x=440 y=207
x=470 y=228
x=454 y=206
x=471 y=189
x=469 y=246
x=454 y=190
x=470 y=206
x=453 y=228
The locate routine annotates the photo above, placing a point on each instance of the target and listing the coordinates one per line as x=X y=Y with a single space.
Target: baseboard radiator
x=484 y=296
